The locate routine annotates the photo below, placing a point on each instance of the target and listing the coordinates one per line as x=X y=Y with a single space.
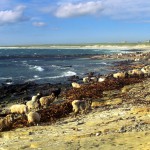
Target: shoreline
x=88 y=46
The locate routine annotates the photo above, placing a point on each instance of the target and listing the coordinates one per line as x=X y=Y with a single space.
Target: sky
x=25 y=22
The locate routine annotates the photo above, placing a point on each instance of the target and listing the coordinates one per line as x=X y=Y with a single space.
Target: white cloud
x=78 y=9
x=39 y=24
x=115 y=9
x=12 y=16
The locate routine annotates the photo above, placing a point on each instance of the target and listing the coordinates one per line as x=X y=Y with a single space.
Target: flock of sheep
x=143 y=72
x=29 y=109
x=82 y=105
x=39 y=101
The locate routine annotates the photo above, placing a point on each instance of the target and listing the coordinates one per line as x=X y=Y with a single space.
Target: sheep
x=19 y=109
x=56 y=92
x=137 y=72
x=93 y=79
x=120 y=75
x=46 y=100
x=101 y=79
x=130 y=73
x=33 y=118
x=86 y=79
x=76 y=85
x=81 y=105
x=33 y=105
x=146 y=70
x=36 y=97
x=6 y=123
x=34 y=102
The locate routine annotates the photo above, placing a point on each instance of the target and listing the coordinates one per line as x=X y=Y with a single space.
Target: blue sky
x=73 y=21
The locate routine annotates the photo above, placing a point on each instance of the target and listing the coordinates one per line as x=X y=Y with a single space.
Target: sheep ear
x=38 y=94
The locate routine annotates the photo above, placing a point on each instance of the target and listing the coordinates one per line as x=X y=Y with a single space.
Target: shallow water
x=49 y=65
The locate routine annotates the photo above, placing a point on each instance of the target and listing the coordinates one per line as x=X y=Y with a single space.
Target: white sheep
x=137 y=72
x=86 y=79
x=6 y=123
x=119 y=75
x=36 y=97
x=101 y=79
x=33 y=118
x=34 y=102
x=33 y=105
x=46 y=100
x=81 y=105
x=130 y=73
x=76 y=85
x=146 y=70
x=19 y=109
x=93 y=79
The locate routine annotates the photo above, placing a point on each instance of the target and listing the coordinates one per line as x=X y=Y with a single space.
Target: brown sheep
x=46 y=100
x=81 y=105
x=33 y=118
x=6 y=123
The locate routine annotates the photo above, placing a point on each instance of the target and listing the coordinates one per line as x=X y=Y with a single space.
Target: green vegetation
x=79 y=45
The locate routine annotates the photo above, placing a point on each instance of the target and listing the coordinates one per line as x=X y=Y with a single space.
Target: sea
x=50 y=65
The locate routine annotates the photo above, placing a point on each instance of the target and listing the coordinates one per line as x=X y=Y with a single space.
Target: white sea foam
x=5 y=78
x=37 y=68
x=9 y=83
x=68 y=73
x=55 y=66
x=65 y=74
x=100 y=63
x=36 y=76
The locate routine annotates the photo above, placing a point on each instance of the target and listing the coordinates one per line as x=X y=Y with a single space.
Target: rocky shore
x=119 y=118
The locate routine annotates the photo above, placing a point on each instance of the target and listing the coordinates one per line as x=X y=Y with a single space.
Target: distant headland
x=107 y=46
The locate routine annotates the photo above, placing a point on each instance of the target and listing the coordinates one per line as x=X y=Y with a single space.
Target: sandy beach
x=119 y=118
x=120 y=46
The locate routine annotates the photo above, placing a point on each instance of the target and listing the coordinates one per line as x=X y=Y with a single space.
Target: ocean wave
x=5 y=78
x=65 y=74
x=37 y=68
x=100 y=63
x=36 y=76
x=68 y=73
x=55 y=66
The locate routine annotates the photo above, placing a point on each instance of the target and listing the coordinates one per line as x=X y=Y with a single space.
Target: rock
x=97 y=104
x=98 y=133
x=142 y=110
x=35 y=145
x=104 y=102
x=125 y=89
x=114 y=101
x=111 y=93
x=122 y=129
